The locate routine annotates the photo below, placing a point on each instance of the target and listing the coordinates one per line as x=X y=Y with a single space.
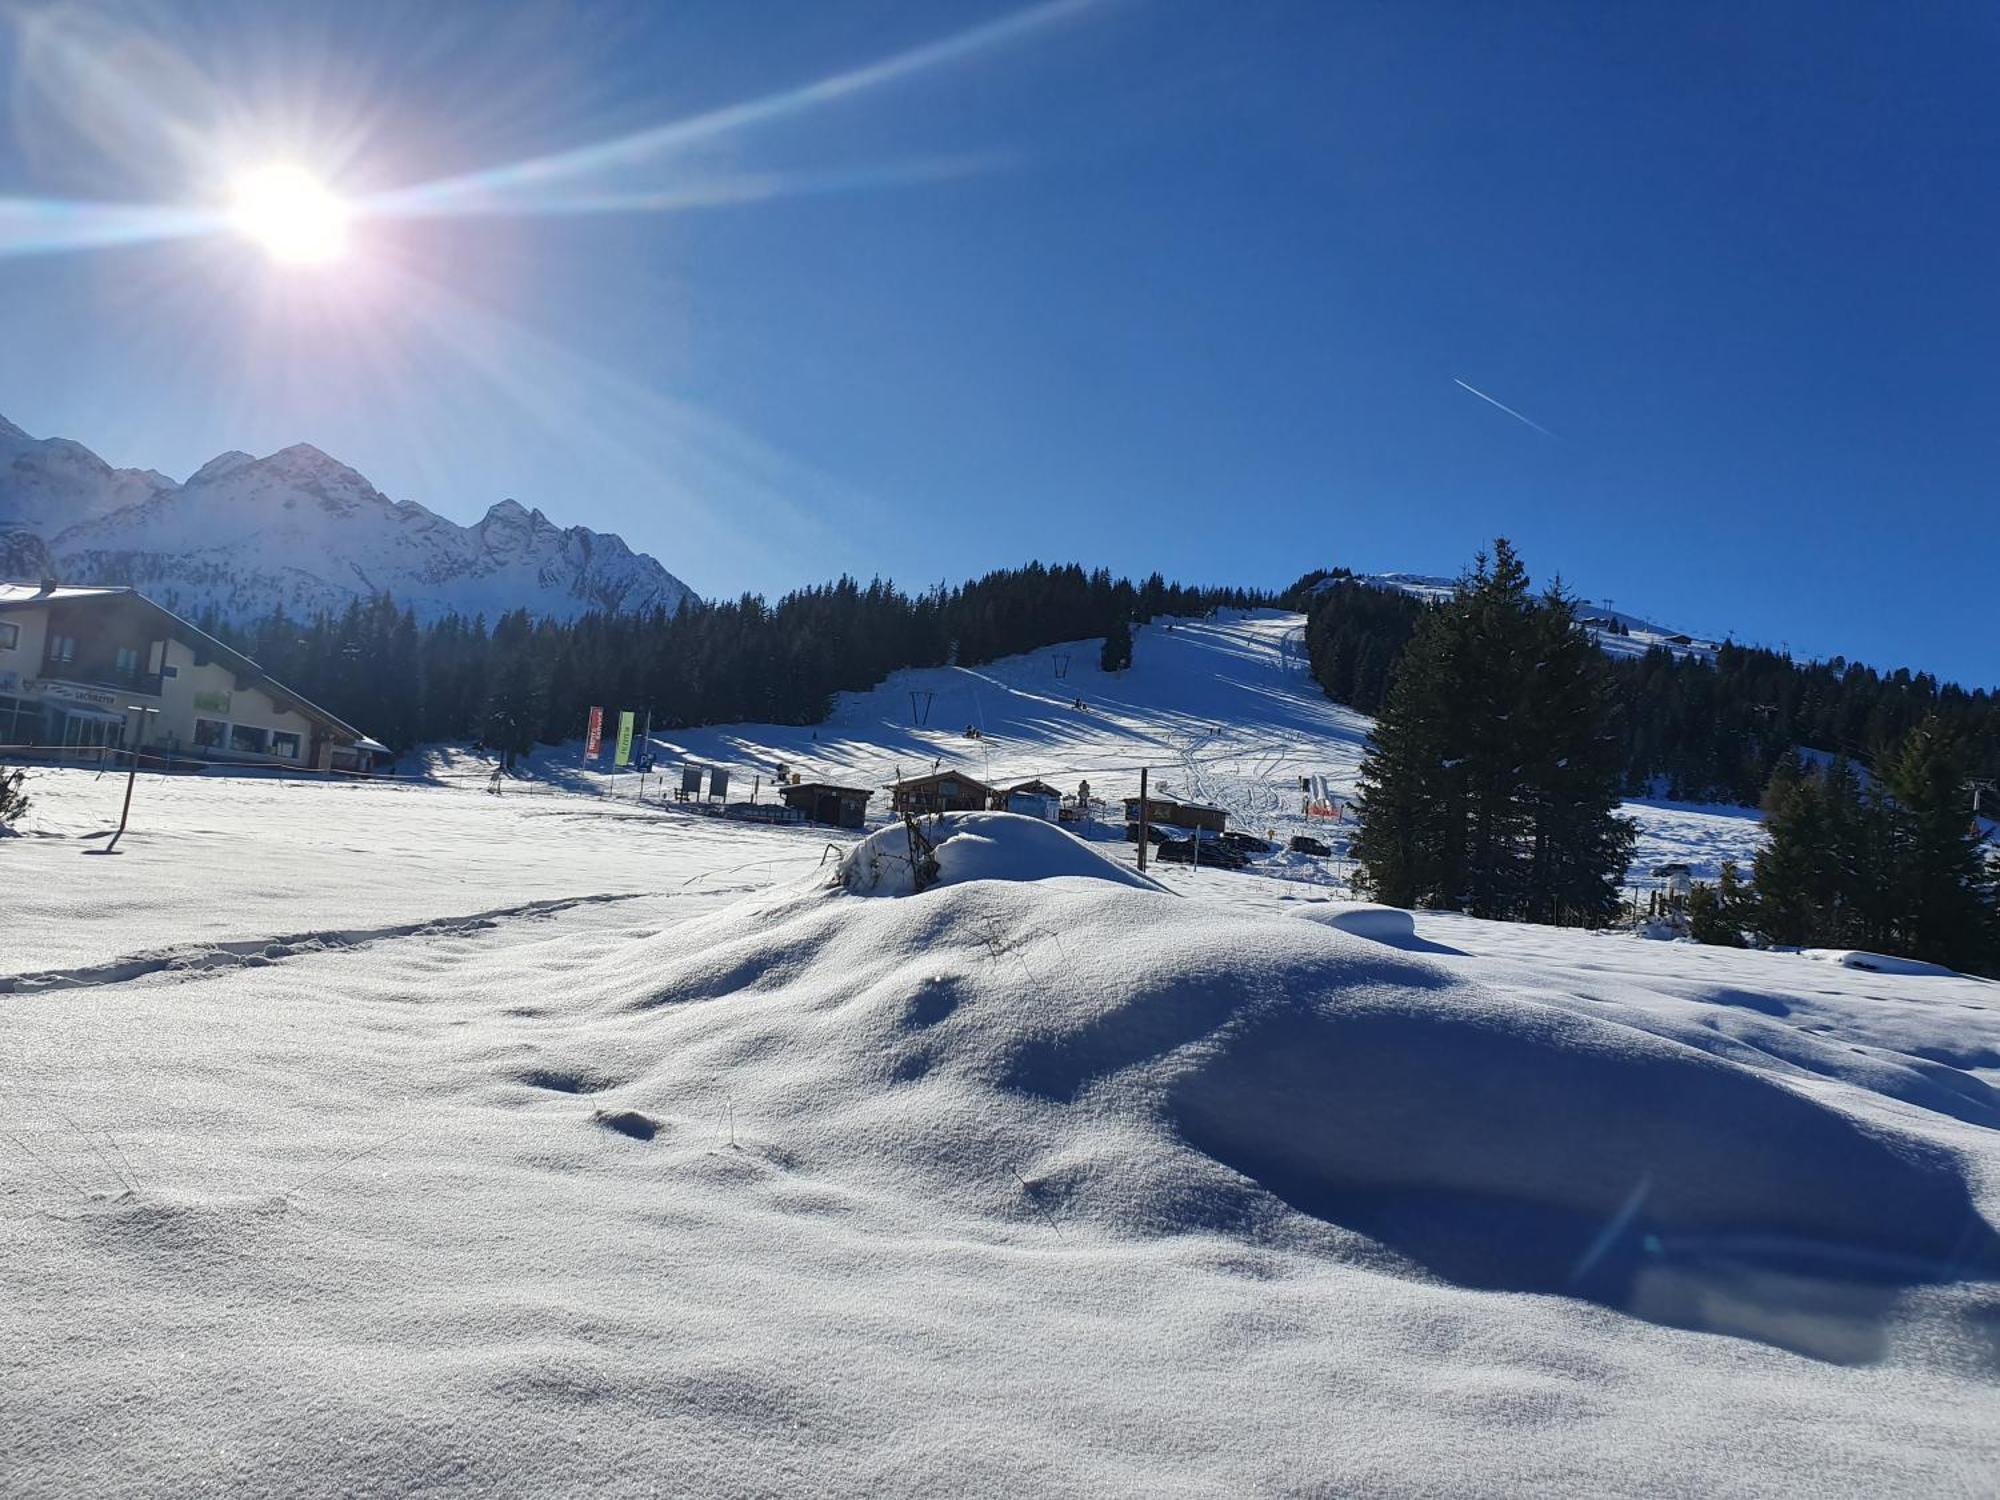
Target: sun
x=290 y=213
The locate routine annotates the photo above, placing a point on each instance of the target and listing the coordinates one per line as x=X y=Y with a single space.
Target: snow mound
x=977 y=846
x=1379 y=924
x=1878 y=963
x=1194 y=1071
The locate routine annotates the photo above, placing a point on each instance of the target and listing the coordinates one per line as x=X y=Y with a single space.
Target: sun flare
x=291 y=214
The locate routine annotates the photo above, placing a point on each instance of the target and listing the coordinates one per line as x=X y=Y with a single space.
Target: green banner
x=625 y=738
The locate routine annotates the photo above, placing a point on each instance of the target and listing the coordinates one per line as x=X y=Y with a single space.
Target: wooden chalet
x=941 y=791
x=1176 y=814
x=823 y=802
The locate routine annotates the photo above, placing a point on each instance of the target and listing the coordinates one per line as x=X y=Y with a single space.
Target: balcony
x=100 y=677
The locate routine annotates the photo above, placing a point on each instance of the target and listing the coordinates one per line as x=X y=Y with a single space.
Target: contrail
x=1503 y=406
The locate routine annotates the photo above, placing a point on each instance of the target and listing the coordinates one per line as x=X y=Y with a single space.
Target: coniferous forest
x=1687 y=728
x=516 y=681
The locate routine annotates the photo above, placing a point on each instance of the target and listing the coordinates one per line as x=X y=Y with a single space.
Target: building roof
x=969 y=780
x=30 y=593
x=1164 y=800
x=1037 y=785
x=826 y=786
x=22 y=595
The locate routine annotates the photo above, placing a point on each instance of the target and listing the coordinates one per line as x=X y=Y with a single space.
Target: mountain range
x=301 y=530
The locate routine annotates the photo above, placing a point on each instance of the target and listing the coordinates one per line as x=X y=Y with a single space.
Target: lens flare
x=291 y=214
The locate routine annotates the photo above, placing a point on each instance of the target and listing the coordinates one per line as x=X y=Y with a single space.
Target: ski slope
x=1222 y=710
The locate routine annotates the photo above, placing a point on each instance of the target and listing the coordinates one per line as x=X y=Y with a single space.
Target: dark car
x=1305 y=843
x=1215 y=855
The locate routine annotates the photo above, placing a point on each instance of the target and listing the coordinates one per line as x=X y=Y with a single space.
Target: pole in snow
x=1142 y=820
x=131 y=774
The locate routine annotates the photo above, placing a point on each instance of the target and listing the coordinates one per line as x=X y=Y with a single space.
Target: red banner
x=593 y=740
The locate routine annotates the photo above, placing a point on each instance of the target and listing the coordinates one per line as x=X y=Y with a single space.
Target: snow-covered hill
x=1617 y=632
x=1222 y=711
x=298 y=529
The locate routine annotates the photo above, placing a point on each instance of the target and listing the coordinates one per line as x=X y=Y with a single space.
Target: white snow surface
x=298 y=529
x=957 y=847
x=361 y=1138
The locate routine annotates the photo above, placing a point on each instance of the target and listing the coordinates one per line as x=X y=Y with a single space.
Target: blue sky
x=1165 y=285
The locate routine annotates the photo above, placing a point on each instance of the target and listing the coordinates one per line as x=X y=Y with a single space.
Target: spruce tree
x=1942 y=887
x=1795 y=873
x=1573 y=773
x=1117 y=653
x=1492 y=777
x=1717 y=914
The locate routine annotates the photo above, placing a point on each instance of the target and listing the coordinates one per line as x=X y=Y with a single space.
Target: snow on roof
x=33 y=593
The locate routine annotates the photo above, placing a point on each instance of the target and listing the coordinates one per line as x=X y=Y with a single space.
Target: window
x=248 y=740
x=20 y=721
x=62 y=648
x=10 y=635
x=210 y=733
x=285 y=745
x=128 y=662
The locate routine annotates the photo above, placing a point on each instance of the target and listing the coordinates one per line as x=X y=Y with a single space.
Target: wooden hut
x=1177 y=814
x=1034 y=799
x=941 y=791
x=823 y=802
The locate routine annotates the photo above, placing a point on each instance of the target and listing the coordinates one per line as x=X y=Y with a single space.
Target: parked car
x=1214 y=854
x=1305 y=843
x=1243 y=843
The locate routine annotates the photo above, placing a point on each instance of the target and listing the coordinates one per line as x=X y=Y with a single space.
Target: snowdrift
x=977 y=846
x=1090 y=1056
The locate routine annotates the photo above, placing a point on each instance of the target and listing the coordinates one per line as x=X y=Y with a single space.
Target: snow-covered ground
x=376 y=1138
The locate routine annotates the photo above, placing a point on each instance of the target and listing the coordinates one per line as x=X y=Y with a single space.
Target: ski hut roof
x=934 y=777
x=1038 y=786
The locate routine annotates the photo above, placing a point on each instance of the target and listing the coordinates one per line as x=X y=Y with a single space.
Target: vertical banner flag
x=593 y=739
x=625 y=738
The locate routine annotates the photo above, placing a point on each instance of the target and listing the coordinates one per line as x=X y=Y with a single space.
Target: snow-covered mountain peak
x=301 y=529
x=513 y=515
x=221 y=464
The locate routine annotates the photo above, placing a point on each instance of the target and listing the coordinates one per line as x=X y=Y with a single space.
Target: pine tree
x=1717 y=914
x=1492 y=777
x=1942 y=888
x=1117 y=653
x=1573 y=771
x=1796 y=872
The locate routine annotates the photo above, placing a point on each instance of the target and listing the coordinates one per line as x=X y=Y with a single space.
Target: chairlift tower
x=920 y=706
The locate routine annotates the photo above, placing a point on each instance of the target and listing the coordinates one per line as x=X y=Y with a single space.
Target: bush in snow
x=13 y=800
